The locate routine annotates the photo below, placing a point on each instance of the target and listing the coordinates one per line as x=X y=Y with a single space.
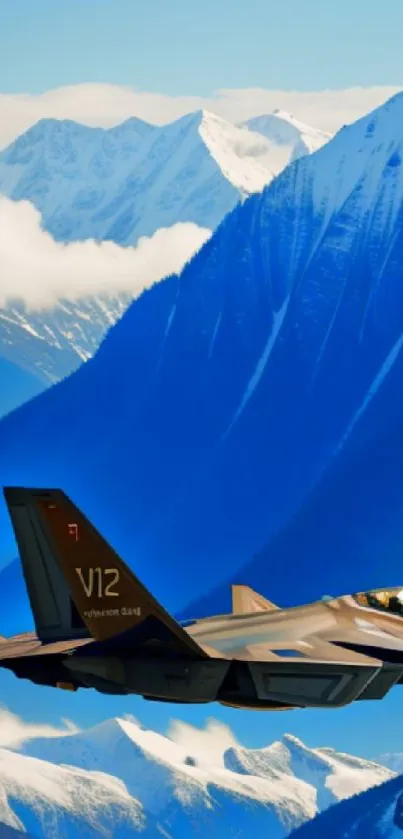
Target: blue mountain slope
x=348 y=534
x=223 y=396
x=374 y=814
x=7 y=832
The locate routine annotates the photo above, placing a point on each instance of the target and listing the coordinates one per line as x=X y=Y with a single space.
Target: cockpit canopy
x=383 y=599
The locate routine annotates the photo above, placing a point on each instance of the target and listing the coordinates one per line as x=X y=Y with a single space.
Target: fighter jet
x=98 y=627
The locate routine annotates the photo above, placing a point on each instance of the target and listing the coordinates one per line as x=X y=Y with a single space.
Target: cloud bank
x=14 y=732
x=107 y=105
x=40 y=271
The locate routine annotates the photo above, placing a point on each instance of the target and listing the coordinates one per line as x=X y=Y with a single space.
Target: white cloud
x=40 y=271
x=107 y=105
x=14 y=732
x=205 y=744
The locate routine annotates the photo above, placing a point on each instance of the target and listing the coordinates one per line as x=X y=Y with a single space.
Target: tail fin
x=65 y=556
x=245 y=601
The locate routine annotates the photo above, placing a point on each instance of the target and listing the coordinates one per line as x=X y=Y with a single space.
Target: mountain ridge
x=115 y=179
x=157 y=783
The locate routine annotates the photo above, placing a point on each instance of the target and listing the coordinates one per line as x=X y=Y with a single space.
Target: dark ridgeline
x=373 y=814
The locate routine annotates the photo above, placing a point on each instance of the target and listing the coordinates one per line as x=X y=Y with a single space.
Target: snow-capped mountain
x=148 y=783
x=52 y=801
x=126 y=182
x=332 y=775
x=288 y=137
x=374 y=814
x=120 y=184
x=179 y=792
x=222 y=397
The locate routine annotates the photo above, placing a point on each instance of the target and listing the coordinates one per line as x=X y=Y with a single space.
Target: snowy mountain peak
x=171 y=781
x=49 y=128
x=289 y=138
x=50 y=800
x=133 y=123
x=292 y=740
x=201 y=115
x=302 y=127
x=120 y=183
x=113 y=733
x=243 y=157
x=118 y=770
x=331 y=774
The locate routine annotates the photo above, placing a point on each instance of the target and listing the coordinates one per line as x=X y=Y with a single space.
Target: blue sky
x=183 y=46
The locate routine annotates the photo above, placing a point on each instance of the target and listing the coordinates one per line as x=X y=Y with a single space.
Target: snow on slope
x=331 y=775
x=289 y=138
x=181 y=786
x=51 y=343
x=126 y=182
x=177 y=788
x=244 y=157
x=360 y=158
x=54 y=801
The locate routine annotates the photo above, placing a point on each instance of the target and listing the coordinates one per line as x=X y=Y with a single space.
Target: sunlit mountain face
x=118 y=778
x=253 y=401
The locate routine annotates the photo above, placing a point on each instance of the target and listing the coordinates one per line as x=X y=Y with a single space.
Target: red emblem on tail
x=73 y=530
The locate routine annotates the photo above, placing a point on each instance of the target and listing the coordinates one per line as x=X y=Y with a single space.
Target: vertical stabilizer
x=55 y=614
x=245 y=601
x=70 y=569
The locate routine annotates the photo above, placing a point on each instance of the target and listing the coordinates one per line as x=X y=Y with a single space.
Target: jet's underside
x=249 y=684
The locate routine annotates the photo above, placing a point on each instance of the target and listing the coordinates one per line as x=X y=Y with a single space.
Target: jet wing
x=17 y=648
x=28 y=658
